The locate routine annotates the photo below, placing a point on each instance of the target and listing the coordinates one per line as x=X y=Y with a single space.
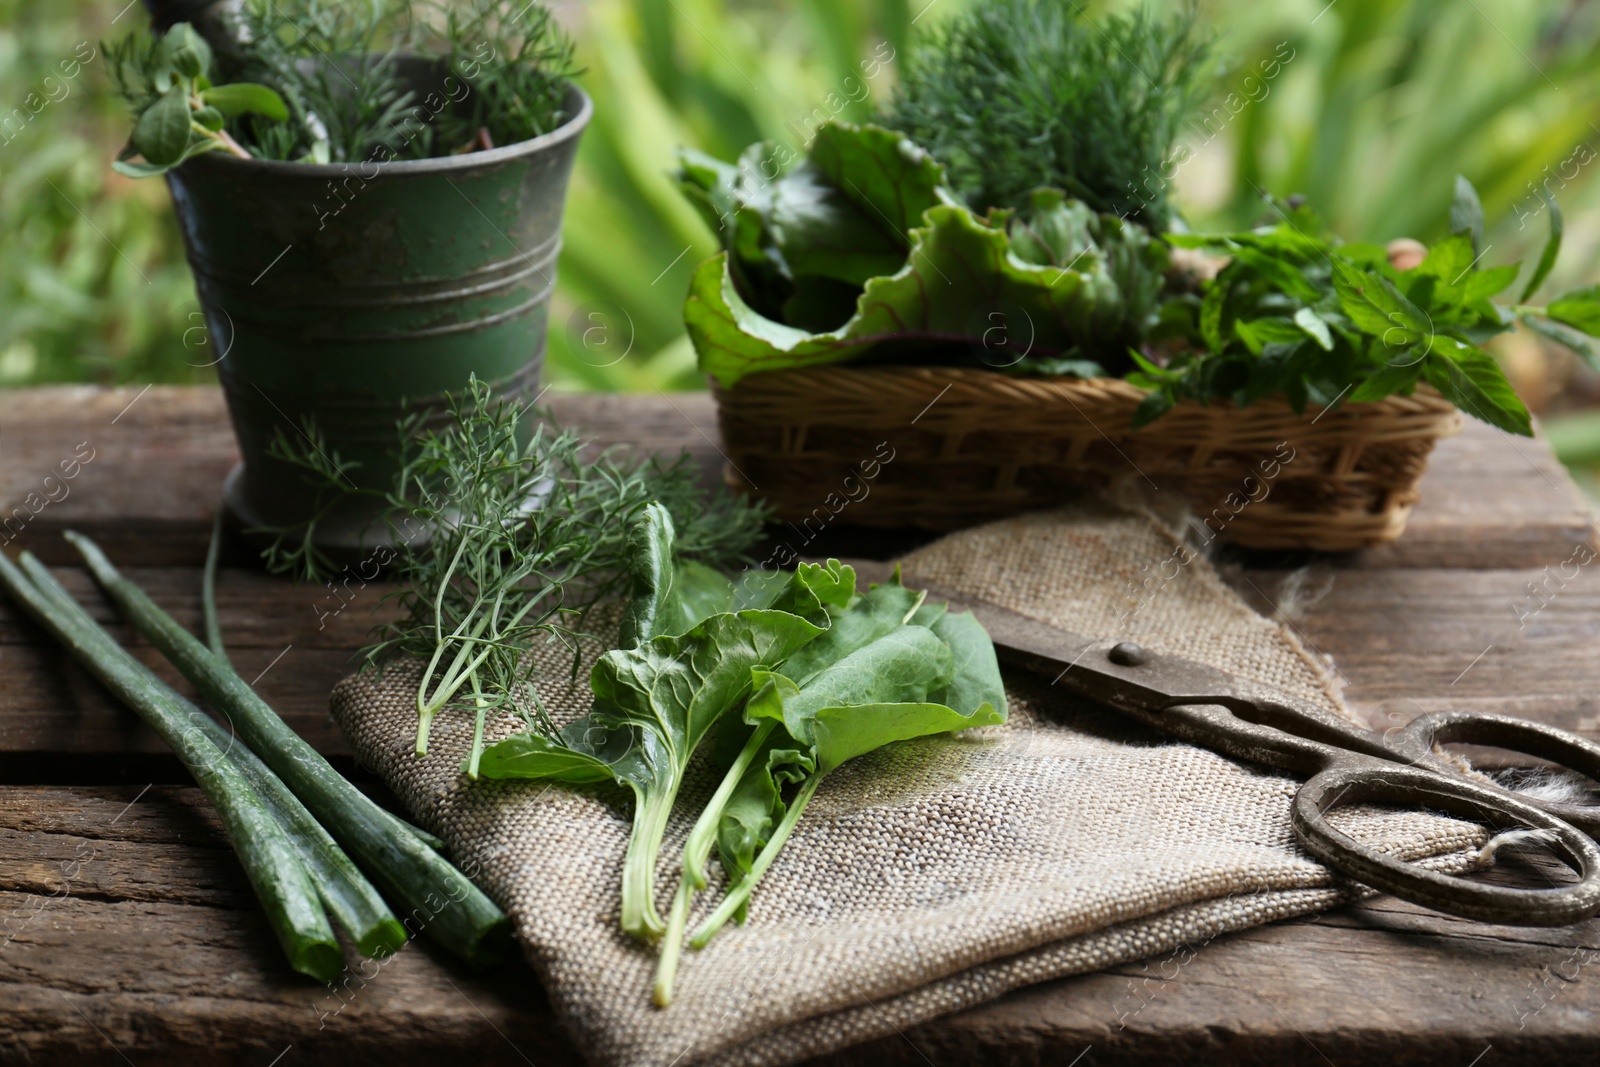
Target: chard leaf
x=654 y=703
x=932 y=297
x=904 y=665
x=808 y=591
x=912 y=681
x=804 y=243
x=975 y=682
x=888 y=177
x=530 y=755
x=883 y=609
x=757 y=804
x=667 y=595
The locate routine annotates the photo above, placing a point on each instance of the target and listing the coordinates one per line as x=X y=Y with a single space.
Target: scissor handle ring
x=1558 y=746
x=1415 y=788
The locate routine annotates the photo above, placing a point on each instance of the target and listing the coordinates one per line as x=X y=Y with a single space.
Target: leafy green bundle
x=322 y=81
x=1058 y=289
x=1014 y=95
x=794 y=672
x=179 y=112
x=861 y=252
x=1298 y=314
x=502 y=534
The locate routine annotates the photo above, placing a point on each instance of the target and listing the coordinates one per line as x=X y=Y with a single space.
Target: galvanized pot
x=345 y=296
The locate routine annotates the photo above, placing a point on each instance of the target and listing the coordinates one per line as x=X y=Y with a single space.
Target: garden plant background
x=1370 y=109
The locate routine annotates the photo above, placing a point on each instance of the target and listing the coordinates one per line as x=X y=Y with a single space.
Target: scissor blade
x=1086 y=665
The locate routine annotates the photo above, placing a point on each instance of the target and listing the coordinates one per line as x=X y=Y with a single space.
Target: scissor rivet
x=1128 y=654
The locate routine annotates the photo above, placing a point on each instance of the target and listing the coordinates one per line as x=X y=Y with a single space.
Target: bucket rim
x=567 y=131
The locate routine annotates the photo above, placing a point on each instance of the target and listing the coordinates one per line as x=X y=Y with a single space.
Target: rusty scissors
x=1347 y=765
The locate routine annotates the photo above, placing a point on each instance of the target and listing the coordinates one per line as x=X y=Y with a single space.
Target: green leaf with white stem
x=976 y=682
x=841 y=714
x=654 y=703
x=246 y=98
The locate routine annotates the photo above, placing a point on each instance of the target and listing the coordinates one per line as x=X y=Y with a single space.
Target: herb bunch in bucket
x=319 y=81
x=371 y=199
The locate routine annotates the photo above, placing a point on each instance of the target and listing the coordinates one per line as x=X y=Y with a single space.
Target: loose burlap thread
x=932 y=875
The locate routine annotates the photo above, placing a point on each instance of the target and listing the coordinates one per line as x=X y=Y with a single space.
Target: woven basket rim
x=854 y=380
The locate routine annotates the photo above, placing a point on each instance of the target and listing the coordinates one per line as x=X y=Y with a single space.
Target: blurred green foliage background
x=1373 y=107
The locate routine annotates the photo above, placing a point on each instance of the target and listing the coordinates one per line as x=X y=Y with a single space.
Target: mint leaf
x=1316 y=326
x=1552 y=246
x=1449 y=259
x=1470 y=379
x=1387 y=381
x=1378 y=308
x=1579 y=309
x=1466 y=213
x=1484 y=284
x=1564 y=335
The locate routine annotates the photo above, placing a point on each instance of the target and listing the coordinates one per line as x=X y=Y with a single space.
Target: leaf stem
x=697 y=848
x=739 y=894
x=639 y=915
x=672 y=943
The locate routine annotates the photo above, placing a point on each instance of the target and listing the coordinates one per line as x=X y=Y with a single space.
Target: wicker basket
x=941 y=447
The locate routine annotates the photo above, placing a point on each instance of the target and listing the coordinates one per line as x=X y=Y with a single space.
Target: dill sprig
x=333 y=61
x=521 y=60
x=505 y=535
x=1013 y=95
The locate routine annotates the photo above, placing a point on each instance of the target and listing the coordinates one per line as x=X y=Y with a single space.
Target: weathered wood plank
x=1489 y=500
x=128 y=912
x=1405 y=641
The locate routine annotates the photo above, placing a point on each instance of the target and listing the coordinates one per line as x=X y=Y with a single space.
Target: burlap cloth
x=934 y=874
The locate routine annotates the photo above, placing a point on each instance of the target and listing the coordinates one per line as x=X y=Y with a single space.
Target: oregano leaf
x=162 y=132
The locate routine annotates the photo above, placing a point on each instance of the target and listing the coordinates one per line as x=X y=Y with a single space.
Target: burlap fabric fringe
x=932 y=875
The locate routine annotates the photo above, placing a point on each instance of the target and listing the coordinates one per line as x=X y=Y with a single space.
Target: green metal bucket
x=349 y=295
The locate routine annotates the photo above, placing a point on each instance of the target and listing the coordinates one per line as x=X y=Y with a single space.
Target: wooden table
x=128 y=933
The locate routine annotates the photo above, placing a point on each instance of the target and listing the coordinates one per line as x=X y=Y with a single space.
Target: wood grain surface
x=128 y=933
